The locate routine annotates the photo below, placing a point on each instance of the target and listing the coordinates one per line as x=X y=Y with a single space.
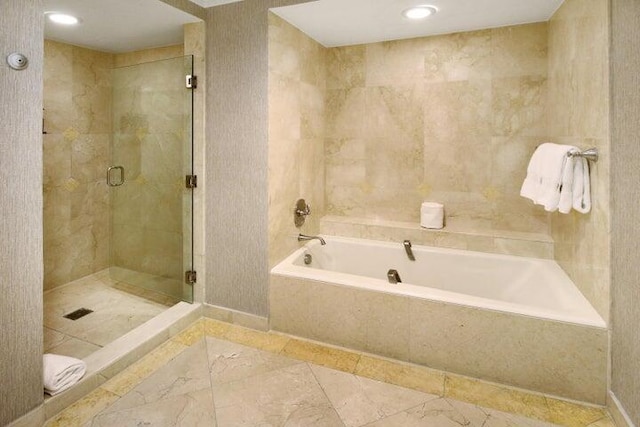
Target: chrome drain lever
x=393 y=276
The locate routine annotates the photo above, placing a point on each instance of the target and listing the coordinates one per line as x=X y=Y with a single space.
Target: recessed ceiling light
x=62 y=18
x=419 y=12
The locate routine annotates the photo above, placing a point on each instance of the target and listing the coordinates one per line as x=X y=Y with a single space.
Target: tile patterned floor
x=117 y=309
x=217 y=374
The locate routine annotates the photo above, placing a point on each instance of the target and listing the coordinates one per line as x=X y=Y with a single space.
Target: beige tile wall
x=77 y=119
x=296 y=133
x=450 y=118
x=82 y=108
x=578 y=114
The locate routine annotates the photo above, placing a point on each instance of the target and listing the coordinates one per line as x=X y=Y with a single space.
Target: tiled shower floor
x=117 y=309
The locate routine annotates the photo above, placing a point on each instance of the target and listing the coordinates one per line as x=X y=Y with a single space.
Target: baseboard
x=32 y=418
x=619 y=415
x=239 y=318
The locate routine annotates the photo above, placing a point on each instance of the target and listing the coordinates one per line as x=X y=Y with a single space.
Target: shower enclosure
x=149 y=181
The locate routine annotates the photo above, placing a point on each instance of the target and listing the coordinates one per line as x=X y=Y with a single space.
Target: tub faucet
x=407 y=249
x=303 y=237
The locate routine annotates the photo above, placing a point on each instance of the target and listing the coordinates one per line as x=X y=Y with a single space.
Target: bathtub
x=514 y=320
x=529 y=286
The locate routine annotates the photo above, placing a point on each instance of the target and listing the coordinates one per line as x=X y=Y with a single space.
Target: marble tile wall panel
x=450 y=118
x=457 y=235
x=296 y=133
x=76 y=151
x=546 y=356
x=578 y=114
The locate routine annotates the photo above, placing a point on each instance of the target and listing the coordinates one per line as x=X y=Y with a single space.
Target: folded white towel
x=556 y=180
x=546 y=173
x=61 y=372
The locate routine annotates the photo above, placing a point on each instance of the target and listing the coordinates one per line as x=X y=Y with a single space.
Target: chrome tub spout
x=303 y=237
x=407 y=249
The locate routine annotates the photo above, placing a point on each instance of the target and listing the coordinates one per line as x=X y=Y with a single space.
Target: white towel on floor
x=61 y=372
x=545 y=175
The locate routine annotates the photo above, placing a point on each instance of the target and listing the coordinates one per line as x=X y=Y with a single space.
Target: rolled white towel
x=61 y=372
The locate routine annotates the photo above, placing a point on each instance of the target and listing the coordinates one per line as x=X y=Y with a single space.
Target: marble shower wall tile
x=77 y=119
x=452 y=118
x=578 y=114
x=297 y=114
x=85 y=99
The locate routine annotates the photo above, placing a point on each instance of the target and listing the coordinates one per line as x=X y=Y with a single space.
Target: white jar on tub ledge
x=432 y=215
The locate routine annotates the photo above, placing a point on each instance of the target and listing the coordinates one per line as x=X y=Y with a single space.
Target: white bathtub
x=528 y=286
x=512 y=320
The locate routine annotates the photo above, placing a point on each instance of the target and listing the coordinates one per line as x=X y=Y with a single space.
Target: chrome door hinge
x=191 y=81
x=191 y=181
x=190 y=277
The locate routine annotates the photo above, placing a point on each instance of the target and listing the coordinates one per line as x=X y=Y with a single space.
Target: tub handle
x=393 y=276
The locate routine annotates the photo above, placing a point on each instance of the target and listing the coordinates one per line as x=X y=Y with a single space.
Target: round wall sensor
x=17 y=61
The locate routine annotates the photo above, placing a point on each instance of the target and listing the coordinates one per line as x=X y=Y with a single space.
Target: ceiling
x=128 y=25
x=118 y=25
x=348 y=22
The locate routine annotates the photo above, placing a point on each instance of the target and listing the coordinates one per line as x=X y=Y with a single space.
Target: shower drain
x=75 y=315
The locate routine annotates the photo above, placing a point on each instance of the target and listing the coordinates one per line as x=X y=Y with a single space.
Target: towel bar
x=590 y=154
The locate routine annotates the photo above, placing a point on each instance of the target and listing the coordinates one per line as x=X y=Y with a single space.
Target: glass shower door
x=151 y=154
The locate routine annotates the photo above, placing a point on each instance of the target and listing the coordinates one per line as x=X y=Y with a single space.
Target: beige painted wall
x=578 y=114
x=297 y=80
x=237 y=155
x=625 y=211
x=21 y=271
x=77 y=119
x=450 y=118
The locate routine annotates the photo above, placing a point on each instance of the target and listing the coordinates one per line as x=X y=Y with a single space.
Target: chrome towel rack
x=591 y=154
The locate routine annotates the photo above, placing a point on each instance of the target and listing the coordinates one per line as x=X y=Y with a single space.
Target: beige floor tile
x=115 y=312
x=603 y=422
x=191 y=335
x=573 y=415
x=505 y=419
x=320 y=355
x=215 y=328
x=438 y=412
x=158 y=357
x=186 y=373
x=53 y=338
x=191 y=409
x=73 y=347
x=496 y=397
x=258 y=339
x=360 y=401
x=288 y=396
x=410 y=376
x=84 y=409
x=126 y=380
x=230 y=361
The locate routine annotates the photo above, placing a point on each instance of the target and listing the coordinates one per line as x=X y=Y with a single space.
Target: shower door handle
x=112 y=183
